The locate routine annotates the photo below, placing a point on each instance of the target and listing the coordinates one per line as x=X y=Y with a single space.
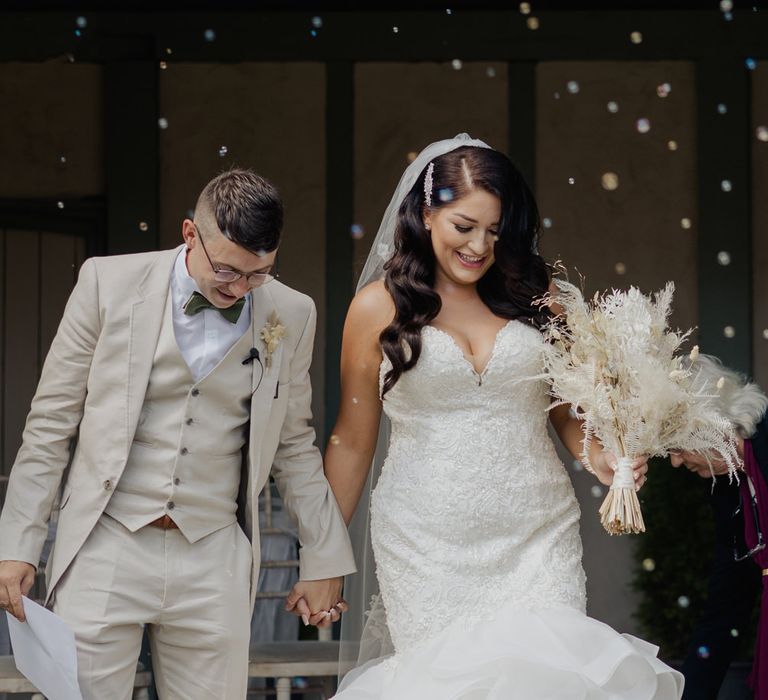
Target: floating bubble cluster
x=532 y=23
x=726 y=186
x=703 y=652
x=663 y=90
x=613 y=107
x=143 y=226
x=445 y=194
x=724 y=257
x=729 y=332
x=546 y=222
x=643 y=125
x=456 y=64
x=636 y=37
x=649 y=565
x=223 y=150
x=683 y=601
x=209 y=35
x=573 y=87
x=162 y=123
x=596 y=491
x=672 y=145
x=685 y=222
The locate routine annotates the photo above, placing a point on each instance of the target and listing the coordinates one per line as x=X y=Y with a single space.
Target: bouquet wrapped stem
x=620 y=512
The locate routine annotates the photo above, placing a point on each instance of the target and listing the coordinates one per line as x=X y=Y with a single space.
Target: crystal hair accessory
x=428 y=184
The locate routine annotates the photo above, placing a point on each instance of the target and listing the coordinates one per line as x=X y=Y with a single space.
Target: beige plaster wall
x=614 y=238
x=49 y=111
x=270 y=117
x=402 y=107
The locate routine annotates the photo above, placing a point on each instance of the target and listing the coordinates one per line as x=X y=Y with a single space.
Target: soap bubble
x=209 y=35
x=643 y=125
x=613 y=107
x=356 y=231
x=610 y=181
x=724 y=257
x=683 y=601
x=223 y=150
x=649 y=565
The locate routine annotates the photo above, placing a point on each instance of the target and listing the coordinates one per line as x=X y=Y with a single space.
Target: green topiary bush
x=673 y=558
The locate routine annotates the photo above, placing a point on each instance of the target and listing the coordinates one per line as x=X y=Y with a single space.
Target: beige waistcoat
x=186 y=453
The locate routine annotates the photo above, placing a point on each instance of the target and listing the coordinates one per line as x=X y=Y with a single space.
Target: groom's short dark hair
x=247 y=209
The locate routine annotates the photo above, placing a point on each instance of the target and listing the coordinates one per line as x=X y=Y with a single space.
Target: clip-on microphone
x=253 y=354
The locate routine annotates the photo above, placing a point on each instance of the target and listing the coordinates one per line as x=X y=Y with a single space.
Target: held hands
x=604 y=464
x=317 y=602
x=16 y=579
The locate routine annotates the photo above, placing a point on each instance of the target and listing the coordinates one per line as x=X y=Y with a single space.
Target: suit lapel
x=147 y=314
x=264 y=387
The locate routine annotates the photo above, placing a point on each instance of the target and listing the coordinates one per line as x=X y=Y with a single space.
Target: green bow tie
x=197 y=302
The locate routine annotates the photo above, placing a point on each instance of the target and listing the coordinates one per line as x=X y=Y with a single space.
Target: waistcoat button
x=177 y=481
x=195 y=392
x=107 y=485
x=170 y=505
x=190 y=421
x=184 y=450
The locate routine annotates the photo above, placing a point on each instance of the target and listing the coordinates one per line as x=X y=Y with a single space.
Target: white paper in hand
x=44 y=651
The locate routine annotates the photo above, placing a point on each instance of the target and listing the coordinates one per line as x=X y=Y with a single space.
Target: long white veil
x=364 y=632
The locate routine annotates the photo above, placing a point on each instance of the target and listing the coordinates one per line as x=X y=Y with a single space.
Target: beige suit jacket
x=92 y=388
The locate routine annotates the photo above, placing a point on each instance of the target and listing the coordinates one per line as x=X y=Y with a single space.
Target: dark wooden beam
x=132 y=155
x=725 y=226
x=422 y=35
x=339 y=214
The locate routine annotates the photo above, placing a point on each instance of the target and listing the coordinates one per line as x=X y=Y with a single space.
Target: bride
x=473 y=521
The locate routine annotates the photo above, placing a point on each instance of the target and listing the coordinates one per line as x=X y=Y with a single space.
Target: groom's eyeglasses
x=255 y=279
x=740 y=551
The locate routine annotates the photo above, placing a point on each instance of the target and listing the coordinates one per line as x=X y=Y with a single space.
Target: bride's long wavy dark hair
x=517 y=277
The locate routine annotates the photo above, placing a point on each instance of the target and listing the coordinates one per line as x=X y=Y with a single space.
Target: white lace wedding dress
x=474 y=526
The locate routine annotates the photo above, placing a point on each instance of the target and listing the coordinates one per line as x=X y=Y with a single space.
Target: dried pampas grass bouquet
x=615 y=361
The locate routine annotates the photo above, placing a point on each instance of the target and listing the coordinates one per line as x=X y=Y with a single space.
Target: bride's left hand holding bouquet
x=614 y=361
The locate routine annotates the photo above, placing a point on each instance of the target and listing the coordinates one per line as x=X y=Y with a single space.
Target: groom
x=177 y=382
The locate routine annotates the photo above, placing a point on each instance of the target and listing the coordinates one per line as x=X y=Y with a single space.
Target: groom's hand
x=317 y=602
x=16 y=579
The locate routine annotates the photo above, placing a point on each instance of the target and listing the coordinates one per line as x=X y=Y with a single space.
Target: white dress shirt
x=204 y=338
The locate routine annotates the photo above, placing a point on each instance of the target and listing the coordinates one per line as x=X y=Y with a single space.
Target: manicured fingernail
x=305 y=619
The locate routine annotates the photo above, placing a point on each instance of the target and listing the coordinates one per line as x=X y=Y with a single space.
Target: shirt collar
x=185 y=284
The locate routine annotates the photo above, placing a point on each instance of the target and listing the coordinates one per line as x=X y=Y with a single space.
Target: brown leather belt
x=164 y=522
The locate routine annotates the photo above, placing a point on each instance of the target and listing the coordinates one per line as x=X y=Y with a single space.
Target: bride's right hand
x=604 y=463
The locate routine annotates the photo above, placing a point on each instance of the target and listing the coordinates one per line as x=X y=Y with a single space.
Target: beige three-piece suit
x=149 y=440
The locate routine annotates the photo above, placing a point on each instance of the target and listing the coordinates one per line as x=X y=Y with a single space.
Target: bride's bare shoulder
x=372 y=308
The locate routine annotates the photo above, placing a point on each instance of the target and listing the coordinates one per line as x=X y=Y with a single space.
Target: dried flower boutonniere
x=272 y=333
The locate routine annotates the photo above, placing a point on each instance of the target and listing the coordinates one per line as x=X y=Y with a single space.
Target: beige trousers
x=193 y=598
